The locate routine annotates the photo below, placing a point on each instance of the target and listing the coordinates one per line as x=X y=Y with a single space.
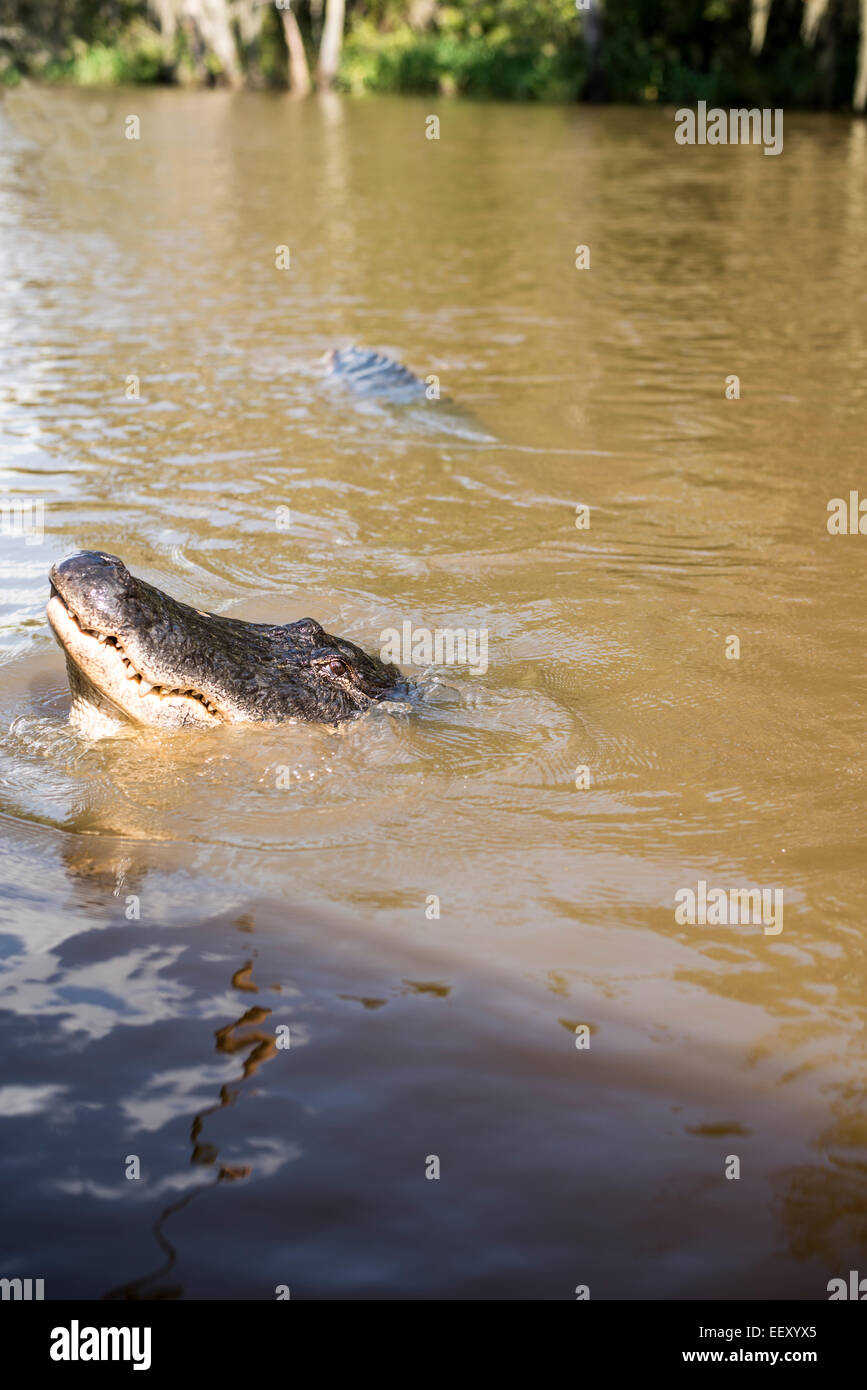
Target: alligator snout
x=93 y=583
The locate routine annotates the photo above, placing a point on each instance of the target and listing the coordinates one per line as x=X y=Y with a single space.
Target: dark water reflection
x=264 y=1165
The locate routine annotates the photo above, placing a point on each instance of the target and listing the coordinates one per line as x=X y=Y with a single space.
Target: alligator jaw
x=108 y=691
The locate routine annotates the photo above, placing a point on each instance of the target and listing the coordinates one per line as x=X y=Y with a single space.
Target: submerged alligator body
x=376 y=378
x=370 y=373
x=133 y=654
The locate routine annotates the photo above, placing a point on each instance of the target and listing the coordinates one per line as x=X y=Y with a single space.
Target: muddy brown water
x=170 y=901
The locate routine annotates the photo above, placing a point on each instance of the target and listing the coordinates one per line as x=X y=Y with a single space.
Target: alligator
x=373 y=374
x=135 y=655
x=377 y=378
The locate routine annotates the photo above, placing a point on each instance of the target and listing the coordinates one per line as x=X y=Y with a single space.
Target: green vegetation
x=768 y=52
x=529 y=49
x=681 y=51
x=135 y=56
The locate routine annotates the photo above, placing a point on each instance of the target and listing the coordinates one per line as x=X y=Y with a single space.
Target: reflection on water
x=262 y=1047
x=130 y=862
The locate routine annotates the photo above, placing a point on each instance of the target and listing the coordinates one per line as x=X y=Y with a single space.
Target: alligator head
x=134 y=654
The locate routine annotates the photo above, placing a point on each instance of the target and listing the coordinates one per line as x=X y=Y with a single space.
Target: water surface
x=307 y=859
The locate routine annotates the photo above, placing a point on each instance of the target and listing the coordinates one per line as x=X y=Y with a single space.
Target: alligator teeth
x=144 y=687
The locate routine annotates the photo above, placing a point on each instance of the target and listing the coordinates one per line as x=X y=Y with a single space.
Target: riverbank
x=539 y=50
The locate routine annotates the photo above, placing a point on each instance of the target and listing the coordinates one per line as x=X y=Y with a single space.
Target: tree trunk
x=759 y=24
x=814 y=13
x=332 y=42
x=299 y=72
x=859 y=101
x=212 y=20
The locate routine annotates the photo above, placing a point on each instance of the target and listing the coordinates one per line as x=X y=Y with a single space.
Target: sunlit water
x=296 y=872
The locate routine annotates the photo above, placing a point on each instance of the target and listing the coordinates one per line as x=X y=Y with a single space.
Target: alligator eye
x=337 y=667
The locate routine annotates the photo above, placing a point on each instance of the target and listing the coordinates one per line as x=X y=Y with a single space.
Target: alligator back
x=377 y=379
x=373 y=374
